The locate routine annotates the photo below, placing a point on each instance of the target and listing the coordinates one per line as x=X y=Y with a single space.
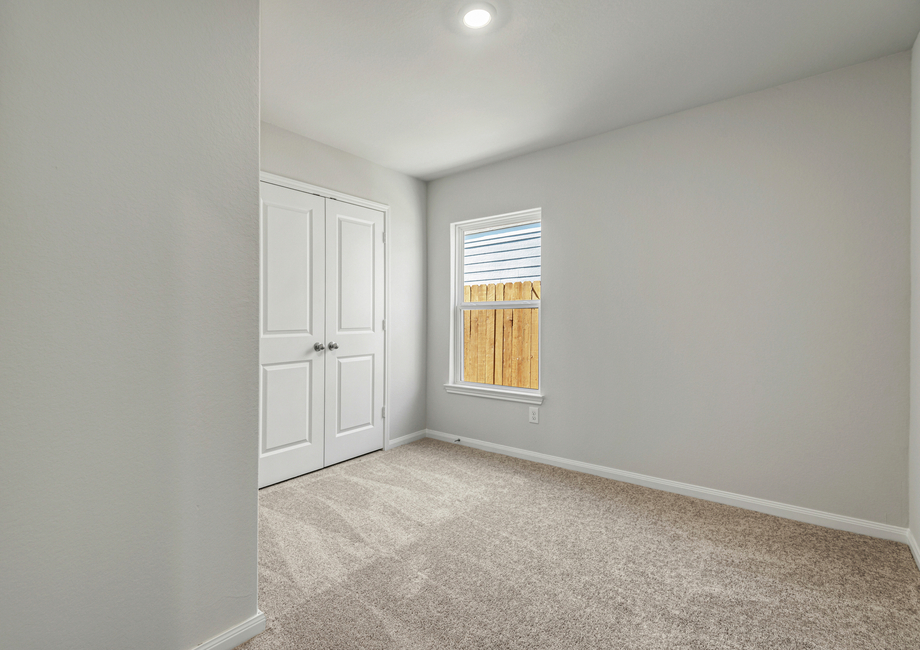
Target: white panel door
x=292 y=321
x=354 y=330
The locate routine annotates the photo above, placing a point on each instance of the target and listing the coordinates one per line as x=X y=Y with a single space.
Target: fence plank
x=535 y=339
x=490 y=337
x=507 y=336
x=507 y=329
x=526 y=332
x=474 y=345
x=499 y=334
x=535 y=347
x=466 y=336
x=498 y=352
x=484 y=363
x=484 y=347
x=517 y=342
x=528 y=342
x=474 y=335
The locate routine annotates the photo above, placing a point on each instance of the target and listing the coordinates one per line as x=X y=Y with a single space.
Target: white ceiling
x=404 y=84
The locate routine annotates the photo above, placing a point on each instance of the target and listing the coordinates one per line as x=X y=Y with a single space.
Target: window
x=496 y=288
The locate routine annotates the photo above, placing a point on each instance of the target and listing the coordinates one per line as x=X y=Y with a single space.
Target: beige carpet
x=434 y=545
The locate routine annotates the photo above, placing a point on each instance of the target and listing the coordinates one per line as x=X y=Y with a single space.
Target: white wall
x=294 y=156
x=128 y=322
x=914 y=458
x=726 y=295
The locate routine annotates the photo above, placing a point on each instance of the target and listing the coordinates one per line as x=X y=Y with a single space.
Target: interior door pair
x=321 y=332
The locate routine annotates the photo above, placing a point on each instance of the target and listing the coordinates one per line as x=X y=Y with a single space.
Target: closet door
x=354 y=330
x=292 y=322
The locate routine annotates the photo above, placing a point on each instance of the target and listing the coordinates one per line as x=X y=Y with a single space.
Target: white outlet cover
x=534 y=415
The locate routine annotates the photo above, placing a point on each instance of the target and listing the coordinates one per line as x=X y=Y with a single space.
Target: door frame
x=300 y=186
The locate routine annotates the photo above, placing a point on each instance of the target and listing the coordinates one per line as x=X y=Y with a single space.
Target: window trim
x=455 y=383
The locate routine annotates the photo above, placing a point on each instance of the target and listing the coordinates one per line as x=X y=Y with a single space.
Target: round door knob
x=333 y=345
x=319 y=347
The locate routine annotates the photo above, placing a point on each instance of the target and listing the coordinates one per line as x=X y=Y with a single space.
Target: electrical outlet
x=534 y=417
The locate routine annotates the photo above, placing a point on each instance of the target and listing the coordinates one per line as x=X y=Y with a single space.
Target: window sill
x=494 y=392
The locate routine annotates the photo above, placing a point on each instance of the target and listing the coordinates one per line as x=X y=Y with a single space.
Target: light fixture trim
x=477 y=15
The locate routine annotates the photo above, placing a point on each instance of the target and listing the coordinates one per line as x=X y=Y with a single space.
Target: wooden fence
x=501 y=346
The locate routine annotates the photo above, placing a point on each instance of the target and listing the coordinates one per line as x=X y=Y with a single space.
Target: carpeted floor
x=439 y=546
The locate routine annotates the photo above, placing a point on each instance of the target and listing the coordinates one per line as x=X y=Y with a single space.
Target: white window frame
x=455 y=384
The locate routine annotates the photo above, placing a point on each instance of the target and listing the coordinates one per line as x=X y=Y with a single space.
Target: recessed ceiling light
x=478 y=16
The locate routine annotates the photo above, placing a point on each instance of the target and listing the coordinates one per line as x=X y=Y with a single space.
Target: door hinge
x=384 y=236
x=383 y=324
x=383 y=411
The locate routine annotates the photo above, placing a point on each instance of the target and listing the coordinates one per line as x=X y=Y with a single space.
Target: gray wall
x=294 y=156
x=726 y=295
x=914 y=458
x=128 y=322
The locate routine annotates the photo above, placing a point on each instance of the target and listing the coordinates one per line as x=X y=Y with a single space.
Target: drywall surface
x=299 y=158
x=725 y=293
x=914 y=453
x=128 y=326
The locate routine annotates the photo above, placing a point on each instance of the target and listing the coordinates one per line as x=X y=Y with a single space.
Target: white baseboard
x=796 y=513
x=406 y=439
x=914 y=547
x=236 y=635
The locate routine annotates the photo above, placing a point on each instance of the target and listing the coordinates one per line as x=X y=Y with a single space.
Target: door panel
x=292 y=378
x=288 y=276
x=355 y=385
x=286 y=399
x=354 y=320
x=356 y=274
